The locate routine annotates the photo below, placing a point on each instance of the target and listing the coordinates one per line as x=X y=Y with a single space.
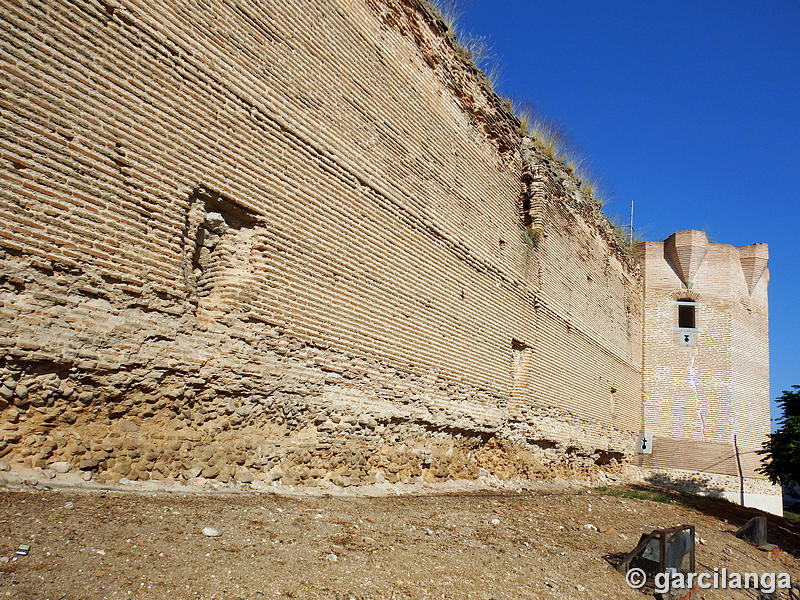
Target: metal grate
x=662 y=551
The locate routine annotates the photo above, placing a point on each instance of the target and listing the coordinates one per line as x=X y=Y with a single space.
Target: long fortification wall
x=283 y=241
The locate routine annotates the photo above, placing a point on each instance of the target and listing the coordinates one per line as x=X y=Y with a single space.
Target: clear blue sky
x=690 y=109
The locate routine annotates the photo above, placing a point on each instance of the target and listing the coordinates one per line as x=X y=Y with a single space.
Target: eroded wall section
x=284 y=240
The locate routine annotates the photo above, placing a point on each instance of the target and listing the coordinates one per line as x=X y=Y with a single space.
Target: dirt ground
x=484 y=545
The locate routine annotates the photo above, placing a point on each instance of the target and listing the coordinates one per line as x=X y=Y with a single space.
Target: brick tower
x=706 y=366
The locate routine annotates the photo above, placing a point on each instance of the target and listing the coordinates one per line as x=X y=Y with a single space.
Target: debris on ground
x=477 y=545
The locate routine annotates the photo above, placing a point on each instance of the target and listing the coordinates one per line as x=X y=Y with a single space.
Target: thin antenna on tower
x=630 y=234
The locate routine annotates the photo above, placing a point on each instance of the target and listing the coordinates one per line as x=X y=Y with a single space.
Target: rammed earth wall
x=283 y=240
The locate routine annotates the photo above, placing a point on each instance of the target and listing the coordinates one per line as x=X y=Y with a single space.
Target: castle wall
x=282 y=241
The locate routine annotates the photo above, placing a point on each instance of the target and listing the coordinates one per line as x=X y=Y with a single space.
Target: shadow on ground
x=781 y=531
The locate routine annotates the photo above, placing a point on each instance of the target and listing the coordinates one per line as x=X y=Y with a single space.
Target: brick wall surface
x=698 y=397
x=283 y=240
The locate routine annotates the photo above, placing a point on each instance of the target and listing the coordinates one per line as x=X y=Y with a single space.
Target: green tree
x=781 y=452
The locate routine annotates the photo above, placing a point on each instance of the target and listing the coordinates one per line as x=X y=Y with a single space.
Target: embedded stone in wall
x=220 y=265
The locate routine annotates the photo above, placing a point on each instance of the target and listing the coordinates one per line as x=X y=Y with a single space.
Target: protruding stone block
x=685 y=251
x=754 y=259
